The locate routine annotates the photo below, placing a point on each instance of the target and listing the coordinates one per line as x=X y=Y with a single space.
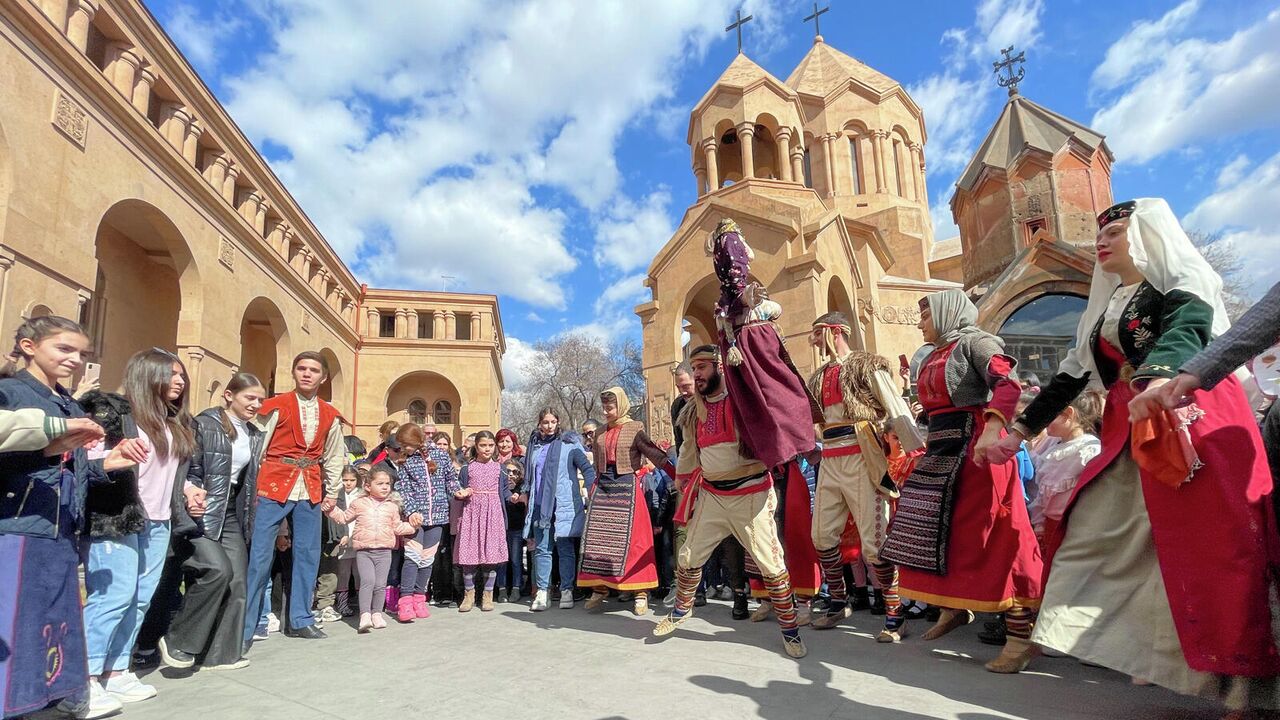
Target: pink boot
x=405 y=610
x=393 y=597
x=420 y=606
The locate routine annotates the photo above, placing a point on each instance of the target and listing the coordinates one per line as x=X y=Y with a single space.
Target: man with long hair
x=298 y=480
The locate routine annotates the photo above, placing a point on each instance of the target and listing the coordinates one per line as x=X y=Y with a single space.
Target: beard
x=710 y=386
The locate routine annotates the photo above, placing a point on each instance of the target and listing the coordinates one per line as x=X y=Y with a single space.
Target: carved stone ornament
x=227 y=254
x=306 y=321
x=888 y=314
x=70 y=119
x=1033 y=205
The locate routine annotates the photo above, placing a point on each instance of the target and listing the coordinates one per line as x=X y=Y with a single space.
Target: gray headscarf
x=954 y=314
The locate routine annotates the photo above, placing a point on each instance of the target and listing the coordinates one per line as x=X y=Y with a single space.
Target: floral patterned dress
x=482 y=527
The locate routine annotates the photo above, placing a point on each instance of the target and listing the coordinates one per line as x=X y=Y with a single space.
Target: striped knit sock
x=833 y=573
x=1019 y=621
x=749 y=565
x=783 y=600
x=887 y=578
x=687 y=581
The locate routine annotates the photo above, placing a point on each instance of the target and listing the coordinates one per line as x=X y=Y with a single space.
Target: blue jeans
x=543 y=539
x=304 y=525
x=514 y=577
x=120 y=576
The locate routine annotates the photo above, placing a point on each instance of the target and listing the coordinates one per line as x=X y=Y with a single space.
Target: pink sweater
x=377 y=523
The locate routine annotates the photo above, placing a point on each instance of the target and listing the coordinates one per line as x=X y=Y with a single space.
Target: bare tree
x=568 y=373
x=1226 y=260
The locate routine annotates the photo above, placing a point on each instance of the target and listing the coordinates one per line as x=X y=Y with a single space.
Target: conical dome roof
x=1024 y=124
x=824 y=68
x=742 y=72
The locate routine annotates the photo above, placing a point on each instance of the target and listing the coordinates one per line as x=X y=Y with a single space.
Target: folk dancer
x=732 y=495
x=857 y=394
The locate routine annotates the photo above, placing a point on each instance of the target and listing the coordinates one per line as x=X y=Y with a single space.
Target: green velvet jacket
x=1158 y=334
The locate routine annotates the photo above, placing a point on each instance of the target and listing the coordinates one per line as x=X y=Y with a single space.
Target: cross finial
x=1012 y=79
x=817 y=20
x=738 y=26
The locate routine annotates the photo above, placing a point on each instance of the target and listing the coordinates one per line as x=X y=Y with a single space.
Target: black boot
x=699 y=598
x=993 y=631
x=859 y=599
x=740 y=611
x=342 y=603
x=877 y=604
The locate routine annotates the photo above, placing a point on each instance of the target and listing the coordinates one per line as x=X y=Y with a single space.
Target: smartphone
x=92 y=371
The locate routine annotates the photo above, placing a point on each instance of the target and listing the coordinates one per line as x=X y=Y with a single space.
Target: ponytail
x=36 y=329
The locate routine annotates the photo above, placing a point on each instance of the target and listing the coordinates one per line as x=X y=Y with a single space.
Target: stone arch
x=215 y=389
x=147 y=279
x=1039 y=331
x=37 y=309
x=861 y=155
x=898 y=156
x=264 y=344
x=334 y=388
x=838 y=298
x=728 y=153
x=429 y=388
x=764 y=148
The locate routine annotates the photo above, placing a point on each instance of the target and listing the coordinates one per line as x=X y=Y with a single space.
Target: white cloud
x=417 y=135
x=621 y=296
x=1163 y=92
x=534 y=317
x=514 y=362
x=631 y=232
x=1246 y=210
x=956 y=100
x=201 y=37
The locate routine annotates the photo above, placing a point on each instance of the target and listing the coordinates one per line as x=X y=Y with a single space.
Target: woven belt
x=300 y=463
x=835 y=433
x=842 y=451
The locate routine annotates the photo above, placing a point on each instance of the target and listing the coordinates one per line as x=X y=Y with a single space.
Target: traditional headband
x=712 y=355
x=1119 y=211
x=834 y=326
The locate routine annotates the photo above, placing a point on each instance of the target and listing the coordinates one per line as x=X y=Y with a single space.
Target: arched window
x=442 y=411
x=418 y=412
x=808 y=169
x=1039 y=333
x=855 y=165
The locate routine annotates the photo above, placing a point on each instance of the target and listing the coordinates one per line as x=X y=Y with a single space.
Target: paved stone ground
x=569 y=664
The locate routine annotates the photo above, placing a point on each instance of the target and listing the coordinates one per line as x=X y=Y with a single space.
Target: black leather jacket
x=211 y=470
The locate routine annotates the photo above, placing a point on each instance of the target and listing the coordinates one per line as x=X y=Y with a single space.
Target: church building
x=825 y=174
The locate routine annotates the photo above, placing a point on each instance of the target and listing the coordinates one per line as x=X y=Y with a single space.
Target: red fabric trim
x=842 y=451
x=832 y=393
x=275 y=478
x=718 y=427
x=611 y=445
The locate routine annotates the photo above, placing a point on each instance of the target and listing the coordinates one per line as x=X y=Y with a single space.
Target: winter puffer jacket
x=211 y=471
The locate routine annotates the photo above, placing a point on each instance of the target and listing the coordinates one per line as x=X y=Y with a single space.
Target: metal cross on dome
x=817 y=19
x=738 y=26
x=1012 y=79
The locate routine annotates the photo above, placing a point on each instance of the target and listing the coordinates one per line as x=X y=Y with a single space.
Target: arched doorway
x=37 y=310
x=1039 y=333
x=264 y=342
x=333 y=389
x=146 y=279
x=424 y=395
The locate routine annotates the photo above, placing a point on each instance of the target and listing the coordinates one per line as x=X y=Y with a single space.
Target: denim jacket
x=43 y=496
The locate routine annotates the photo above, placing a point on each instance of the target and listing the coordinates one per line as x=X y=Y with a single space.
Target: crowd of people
x=1122 y=513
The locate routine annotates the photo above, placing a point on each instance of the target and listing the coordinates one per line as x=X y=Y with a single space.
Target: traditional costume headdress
x=700 y=403
x=832 y=327
x=1166 y=258
x=619 y=396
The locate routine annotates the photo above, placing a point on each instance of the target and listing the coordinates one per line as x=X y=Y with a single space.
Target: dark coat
x=210 y=470
x=114 y=509
x=33 y=498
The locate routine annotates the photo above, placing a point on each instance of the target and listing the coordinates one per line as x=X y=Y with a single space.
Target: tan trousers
x=748 y=518
x=844 y=490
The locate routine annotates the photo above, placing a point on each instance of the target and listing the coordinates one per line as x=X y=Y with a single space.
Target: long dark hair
x=239 y=382
x=474 y=453
x=146 y=383
x=35 y=330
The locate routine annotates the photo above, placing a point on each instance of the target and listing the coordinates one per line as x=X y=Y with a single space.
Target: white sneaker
x=127 y=688
x=273 y=623
x=329 y=615
x=99 y=704
x=566 y=599
x=540 y=601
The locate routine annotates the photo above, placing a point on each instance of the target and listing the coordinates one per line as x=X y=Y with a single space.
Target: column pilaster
x=713 y=170
x=141 y=96
x=78 y=21
x=877 y=150
x=784 y=154
x=747 y=133
x=191 y=143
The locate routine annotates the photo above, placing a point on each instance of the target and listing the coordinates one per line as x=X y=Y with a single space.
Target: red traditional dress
x=969 y=522
x=617 y=542
x=795 y=526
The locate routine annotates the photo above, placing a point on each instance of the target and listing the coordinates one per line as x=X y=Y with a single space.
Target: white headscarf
x=1166 y=258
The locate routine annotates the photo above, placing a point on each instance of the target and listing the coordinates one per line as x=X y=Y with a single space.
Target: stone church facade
x=130 y=201
x=825 y=173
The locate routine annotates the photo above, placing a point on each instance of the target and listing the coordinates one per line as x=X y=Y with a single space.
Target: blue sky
x=537 y=149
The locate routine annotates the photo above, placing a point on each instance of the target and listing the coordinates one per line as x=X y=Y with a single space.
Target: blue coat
x=565 y=458
x=36 y=497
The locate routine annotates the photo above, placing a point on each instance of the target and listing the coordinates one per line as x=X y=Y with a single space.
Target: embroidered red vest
x=276 y=477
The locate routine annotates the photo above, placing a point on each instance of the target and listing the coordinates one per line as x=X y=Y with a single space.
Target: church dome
x=824 y=69
x=1025 y=125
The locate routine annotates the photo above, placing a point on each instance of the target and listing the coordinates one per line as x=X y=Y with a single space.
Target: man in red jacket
x=298 y=479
